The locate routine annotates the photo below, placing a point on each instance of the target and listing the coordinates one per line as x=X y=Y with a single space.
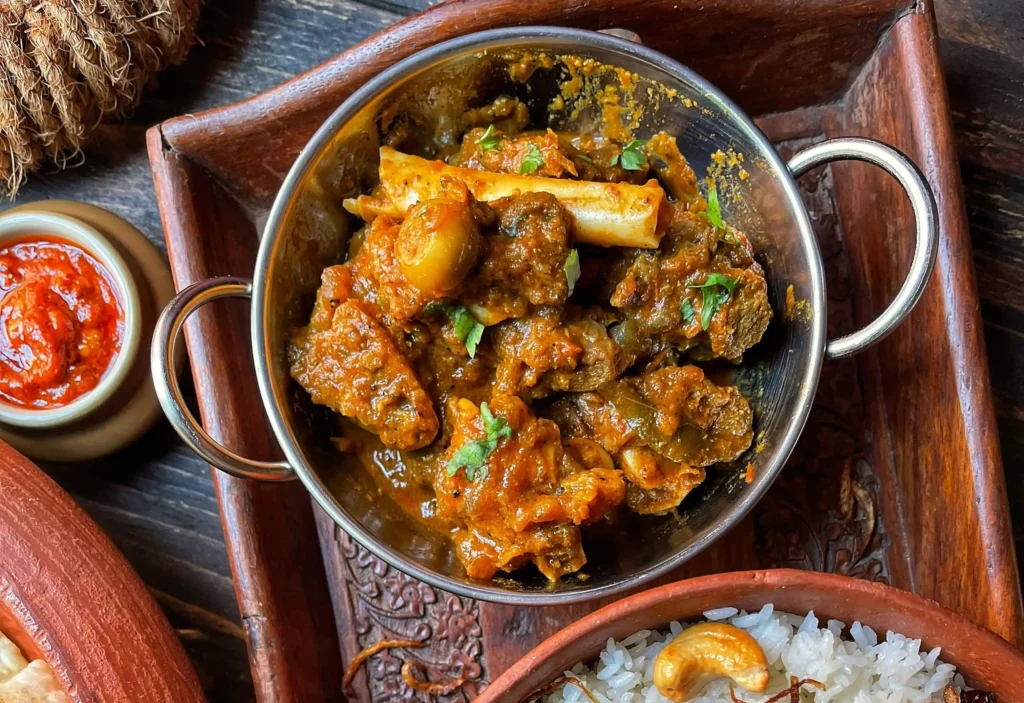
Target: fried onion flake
x=409 y=670
x=793 y=691
x=375 y=648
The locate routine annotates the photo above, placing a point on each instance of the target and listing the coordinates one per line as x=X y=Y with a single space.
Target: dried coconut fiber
x=65 y=65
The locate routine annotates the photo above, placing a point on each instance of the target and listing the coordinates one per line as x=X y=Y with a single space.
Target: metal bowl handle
x=165 y=340
x=926 y=227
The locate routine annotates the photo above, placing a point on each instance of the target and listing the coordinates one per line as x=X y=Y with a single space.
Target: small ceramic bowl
x=24 y=224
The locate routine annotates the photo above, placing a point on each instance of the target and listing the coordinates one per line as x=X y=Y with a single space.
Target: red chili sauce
x=61 y=323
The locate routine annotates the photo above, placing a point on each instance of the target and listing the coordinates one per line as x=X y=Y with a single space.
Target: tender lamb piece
x=354 y=367
x=710 y=423
x=522 y=264
x=510 y=153
x=649 y=288
x=543 y=353
x=590 y=416
x=661 y=428
x=520 y=507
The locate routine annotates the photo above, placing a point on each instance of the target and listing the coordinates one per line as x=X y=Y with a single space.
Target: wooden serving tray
x=69 y=597
x=897 y=477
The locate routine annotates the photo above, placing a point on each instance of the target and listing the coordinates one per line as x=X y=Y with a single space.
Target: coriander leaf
x=473 y=338
x=572 y=269
x=615 y=160
x=473 y=454
x=463 y=321
x=496 y=427
x=633 y=158
x=720 y=279
x=711 y=299
x=714 y=212
x=533 y=160
x=714 y=293
x=686 y=310
x=489 y=140
x=584 y=158
x=467 y=328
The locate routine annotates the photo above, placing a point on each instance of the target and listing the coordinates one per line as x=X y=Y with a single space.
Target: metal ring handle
x=165 y=340
x=926 y=219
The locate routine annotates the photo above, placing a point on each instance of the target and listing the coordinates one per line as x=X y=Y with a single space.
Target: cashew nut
x=705 y=652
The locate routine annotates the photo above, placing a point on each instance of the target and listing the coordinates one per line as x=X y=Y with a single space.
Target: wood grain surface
x=156 y=500
x=69 y=597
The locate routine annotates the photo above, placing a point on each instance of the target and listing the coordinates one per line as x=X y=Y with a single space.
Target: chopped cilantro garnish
x=686 y=309
x=584 y=158
x=572 y=269
x=714 y=212
x=533 y=160
x=714 y=292
x=473 y=337
x=472 y=455
x=467 y=328
x=489 y=140
x=633 y=158
x=496 y=427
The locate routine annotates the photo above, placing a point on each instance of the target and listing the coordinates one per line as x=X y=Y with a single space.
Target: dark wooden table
x=156 y=498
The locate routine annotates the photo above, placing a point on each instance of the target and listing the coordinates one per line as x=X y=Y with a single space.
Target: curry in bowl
x=532 y=334
x=498 y=318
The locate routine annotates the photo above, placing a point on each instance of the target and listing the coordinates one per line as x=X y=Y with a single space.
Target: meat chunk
x=666 y=296
x=542 y=353
x=599 y=158
x=742 y=320
x=683 y=416
x=588 y=496
x=335 y=289
x=355 y=368
x=377 y=277
x=591 y=416
x=536 y=153
x=524 y=263
x=515 y=506
x=707 y=423
x=530 y=347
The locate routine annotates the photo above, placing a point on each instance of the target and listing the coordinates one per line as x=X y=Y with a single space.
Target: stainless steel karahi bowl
x=308 y=230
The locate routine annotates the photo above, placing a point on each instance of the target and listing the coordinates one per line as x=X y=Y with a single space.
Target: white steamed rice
x=860 y=669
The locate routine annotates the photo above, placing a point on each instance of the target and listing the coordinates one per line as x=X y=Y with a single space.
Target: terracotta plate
x=69 y=597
